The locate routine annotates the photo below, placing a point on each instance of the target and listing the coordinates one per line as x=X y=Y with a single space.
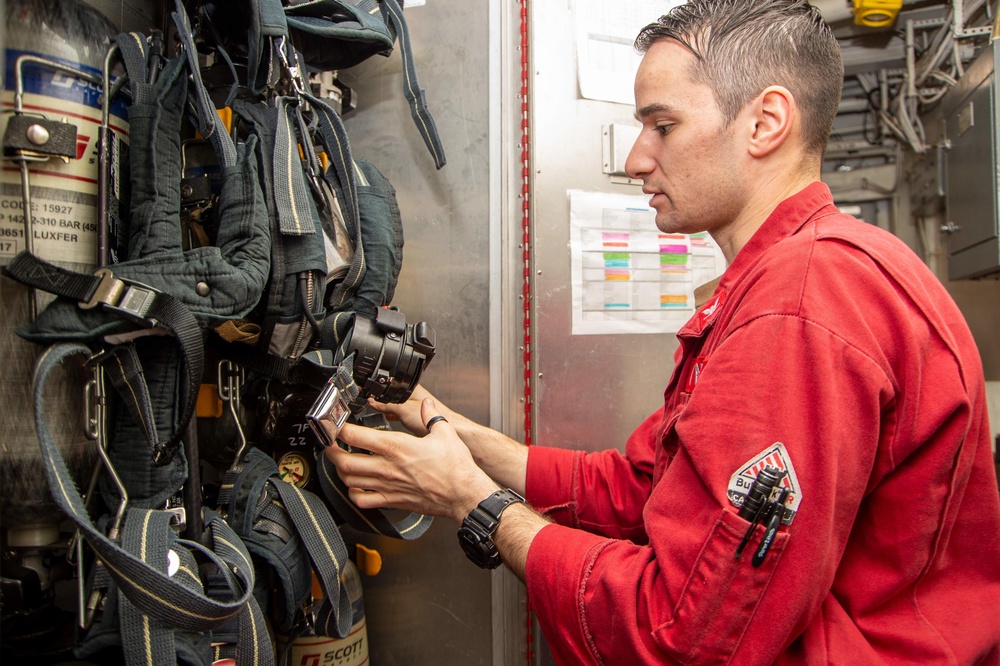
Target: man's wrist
x=476 y=531
x=468 y=431
x=478 y=491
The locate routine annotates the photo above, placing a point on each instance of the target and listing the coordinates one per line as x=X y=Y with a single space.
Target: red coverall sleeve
x=616 y=486
x=683 y=596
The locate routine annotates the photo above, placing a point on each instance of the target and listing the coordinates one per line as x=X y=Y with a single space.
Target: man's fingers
x=431 y=416
x=428 y=410
x=359 y=463
x=363 y=474
x=367 y=499
x=369 y=439
x=387 y=410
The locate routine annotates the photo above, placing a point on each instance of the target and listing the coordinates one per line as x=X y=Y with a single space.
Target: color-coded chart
x=628 y=276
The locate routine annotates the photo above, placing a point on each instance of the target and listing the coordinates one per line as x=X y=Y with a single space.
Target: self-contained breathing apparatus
x=245 y=265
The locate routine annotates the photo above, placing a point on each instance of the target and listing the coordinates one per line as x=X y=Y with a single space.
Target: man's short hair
x=744 y=46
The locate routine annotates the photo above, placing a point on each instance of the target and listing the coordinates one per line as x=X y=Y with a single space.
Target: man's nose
x=638 y=162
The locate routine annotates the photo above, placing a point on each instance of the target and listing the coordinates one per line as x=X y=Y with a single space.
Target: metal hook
x=229 y=392
x=292 y=69
x=108 y=92
x=97 y=424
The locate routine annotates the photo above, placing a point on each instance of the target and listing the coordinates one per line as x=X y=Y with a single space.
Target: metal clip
x=108 y=292
x=292 y=69
x=229 y=392
x=96 y=392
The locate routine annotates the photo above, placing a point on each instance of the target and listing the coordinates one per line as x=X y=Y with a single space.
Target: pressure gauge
x=294 y=468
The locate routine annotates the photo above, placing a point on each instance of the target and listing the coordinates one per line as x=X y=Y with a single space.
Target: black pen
x=757 y=502
x=776 y=511
x=749 y=533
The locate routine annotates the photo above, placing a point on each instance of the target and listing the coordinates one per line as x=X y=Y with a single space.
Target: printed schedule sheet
x=628 y=276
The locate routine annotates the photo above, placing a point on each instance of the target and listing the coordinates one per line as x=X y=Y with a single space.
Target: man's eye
x=664 y=129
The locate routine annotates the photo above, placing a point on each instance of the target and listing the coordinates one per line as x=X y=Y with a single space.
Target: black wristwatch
x=476 y=533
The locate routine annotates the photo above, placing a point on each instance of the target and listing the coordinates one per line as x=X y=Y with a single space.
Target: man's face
x=685 y=155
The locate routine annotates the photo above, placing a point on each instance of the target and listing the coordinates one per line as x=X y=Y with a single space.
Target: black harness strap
x=135 y=303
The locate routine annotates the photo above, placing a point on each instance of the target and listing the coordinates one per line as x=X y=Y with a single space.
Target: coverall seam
x=588 y=568
x=574 y=503
x=933 y=555
x=822 y=327
x=805 y=275
x=943 y=334
x=817 y=238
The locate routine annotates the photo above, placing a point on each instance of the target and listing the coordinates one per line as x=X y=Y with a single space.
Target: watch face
x=481 y=550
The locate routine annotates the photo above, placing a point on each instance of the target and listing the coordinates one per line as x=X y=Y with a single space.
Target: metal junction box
x=970 y=116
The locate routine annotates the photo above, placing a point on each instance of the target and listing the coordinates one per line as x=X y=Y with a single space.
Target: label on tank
x=321 y=651
x=63 y=196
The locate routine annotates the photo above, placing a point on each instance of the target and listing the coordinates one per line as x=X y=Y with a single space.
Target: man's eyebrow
x=651 y=109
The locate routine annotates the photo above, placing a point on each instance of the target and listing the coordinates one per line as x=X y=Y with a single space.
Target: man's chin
x=667 y=224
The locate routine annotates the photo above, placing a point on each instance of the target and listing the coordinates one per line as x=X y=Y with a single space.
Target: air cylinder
x=63 y=207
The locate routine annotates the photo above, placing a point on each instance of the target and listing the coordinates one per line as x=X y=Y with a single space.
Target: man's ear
x=774 y=115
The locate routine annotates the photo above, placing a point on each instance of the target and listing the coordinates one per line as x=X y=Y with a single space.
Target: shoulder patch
x=775 y=456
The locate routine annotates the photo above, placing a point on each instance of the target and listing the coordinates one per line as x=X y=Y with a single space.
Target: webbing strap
x=411 y=87
x=328 y=554
x=144 y=639
x=206 y=119
x=134 y=52
x=253 y=644
x=267 y=26
x=333 y=137
x=255 y=481
x=133 y=302
x=290 y=194
x=148 y=587
x=124 y=369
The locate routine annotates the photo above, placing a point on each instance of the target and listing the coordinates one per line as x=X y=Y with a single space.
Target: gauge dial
x=294 y=468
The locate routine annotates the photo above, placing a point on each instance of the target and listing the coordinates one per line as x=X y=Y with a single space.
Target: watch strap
x=476 y=533
x=494 y=505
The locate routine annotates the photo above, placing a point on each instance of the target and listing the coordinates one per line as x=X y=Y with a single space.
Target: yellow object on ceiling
x=876 y=13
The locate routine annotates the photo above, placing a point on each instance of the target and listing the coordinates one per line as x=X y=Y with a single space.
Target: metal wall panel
x=971 y=175
x=430 y=605
x=592 y=390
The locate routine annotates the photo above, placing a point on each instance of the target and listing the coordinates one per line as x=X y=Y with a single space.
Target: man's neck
x=765 y=197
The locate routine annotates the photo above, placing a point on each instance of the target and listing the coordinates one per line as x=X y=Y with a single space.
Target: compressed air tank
x=352 y=650
x=64 y=231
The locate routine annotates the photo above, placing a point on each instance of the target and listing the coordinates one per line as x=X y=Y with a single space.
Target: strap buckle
x=133 y=301
x=178 y=517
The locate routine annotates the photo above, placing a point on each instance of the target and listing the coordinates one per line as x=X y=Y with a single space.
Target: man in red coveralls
x=818 y=485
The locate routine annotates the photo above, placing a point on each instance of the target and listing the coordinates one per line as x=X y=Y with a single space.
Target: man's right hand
x=504 y=459
x=408 y=413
